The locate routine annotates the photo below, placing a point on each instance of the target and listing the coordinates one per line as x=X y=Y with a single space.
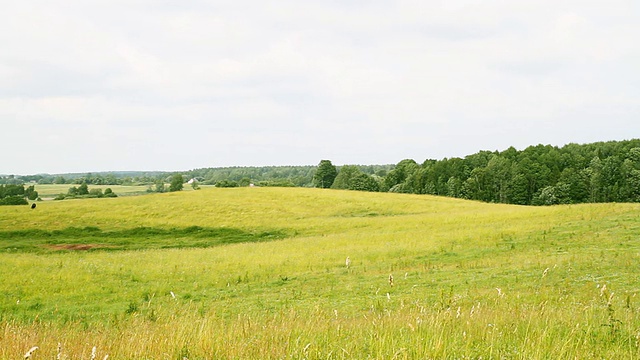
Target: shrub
x=14 y=200
x=226 y=184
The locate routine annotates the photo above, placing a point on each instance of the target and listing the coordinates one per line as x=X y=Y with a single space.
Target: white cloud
x=290 y=82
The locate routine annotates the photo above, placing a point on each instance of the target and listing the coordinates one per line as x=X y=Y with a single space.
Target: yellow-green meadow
x=261 y=273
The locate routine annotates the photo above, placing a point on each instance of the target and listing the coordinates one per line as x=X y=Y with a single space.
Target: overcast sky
x=89 y=86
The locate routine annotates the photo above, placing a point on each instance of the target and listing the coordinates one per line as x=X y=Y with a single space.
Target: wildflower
x=500 y=293
x=348 y=262
x=59 y=356
x=93 y=353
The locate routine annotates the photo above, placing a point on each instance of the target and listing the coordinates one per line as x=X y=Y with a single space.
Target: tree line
x=11 y=194
x=83 y=191
x=537 y=175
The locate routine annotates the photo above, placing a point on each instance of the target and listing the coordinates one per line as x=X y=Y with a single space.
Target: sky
x=114 y=85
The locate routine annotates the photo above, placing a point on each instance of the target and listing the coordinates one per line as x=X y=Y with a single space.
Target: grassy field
x=260 y=273
x=46 y=191
x=49 y=191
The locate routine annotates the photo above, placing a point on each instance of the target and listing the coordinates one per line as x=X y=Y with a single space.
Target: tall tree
x=350 y=177
x=325 y=174
x=177 y=182
x=83 y=189
x=399 y=175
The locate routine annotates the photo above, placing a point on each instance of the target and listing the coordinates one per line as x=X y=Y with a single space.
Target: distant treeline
x=537 y=175
x=298 y=176
x=104 y=178
x=294 y=176
x=17 y=194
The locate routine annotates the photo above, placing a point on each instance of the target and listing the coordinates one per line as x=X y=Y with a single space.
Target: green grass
x=279 y=287
x=93 y=238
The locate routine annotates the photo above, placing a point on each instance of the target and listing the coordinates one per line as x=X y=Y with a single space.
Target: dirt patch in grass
x=76 y=247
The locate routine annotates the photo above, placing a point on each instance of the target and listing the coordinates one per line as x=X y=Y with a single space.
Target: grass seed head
x=603 y=289
x=391 y=280
x=30 y=352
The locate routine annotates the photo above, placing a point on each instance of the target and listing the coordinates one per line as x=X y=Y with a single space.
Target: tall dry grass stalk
x=30 y=352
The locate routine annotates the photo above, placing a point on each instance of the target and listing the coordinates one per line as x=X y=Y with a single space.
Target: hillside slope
x=469 y=279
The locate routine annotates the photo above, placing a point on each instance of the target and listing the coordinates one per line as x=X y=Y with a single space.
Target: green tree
x=14 y=200
x=177 y=182
x=399 y=174
x=109 y=193
x=595 y=180
x=350 y=177
x=226 y=184
x=160 y=186
x=517 y=190
x=31 y=193
x=364 y=182
x=83 y=189
x=325 y=175
x=96 y=193
x=345 y=176
x=454 y=187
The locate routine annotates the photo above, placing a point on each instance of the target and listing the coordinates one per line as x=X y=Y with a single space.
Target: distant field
x=261 y=273
x=52 y=190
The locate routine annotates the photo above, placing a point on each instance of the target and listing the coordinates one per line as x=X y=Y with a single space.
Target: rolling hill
x=261 y=273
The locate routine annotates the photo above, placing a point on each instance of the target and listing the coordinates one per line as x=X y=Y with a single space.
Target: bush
x=277 y=183
x=109 y=193
x=14 y=200
x=96 y=193
x=226 y=184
